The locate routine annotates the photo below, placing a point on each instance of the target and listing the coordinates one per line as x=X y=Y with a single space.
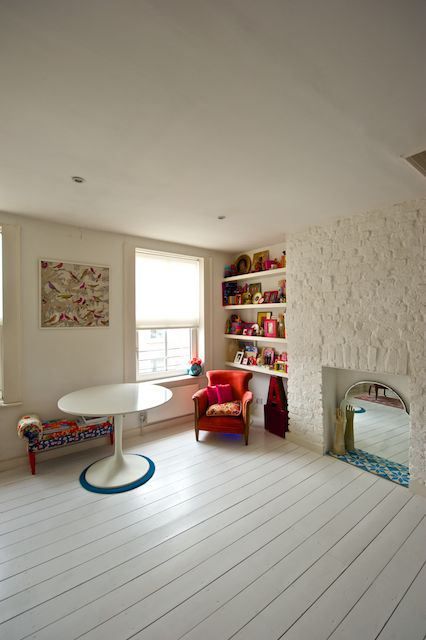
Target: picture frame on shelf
x=262 y=316
x=268 y=356
x=236 y=328
x=271 y=297
x=238 y=357
x=245 y=361
x=259 y=260
x=255 y=287
x=270 y=328
x=243 y=264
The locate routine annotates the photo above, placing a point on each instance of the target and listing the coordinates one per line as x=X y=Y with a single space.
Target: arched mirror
x=381 y=421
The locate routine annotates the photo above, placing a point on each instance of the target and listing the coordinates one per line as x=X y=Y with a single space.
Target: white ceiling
x=275 y=113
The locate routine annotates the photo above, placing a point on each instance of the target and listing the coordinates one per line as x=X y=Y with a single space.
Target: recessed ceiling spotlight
x=78 y=179
x=221 y=217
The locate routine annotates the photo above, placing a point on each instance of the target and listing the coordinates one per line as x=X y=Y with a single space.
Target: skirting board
x=132 y=432
x=417 y=488
x=304 y=442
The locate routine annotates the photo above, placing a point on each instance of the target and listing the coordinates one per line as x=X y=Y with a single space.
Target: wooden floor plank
x=169 y=480
x=368 y=616
x=265 y=541
x=154 y=553
x=408 y=619
x=229 y=572
x=309 y=540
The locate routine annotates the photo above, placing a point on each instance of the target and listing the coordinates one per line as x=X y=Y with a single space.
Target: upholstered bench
x=51 y=434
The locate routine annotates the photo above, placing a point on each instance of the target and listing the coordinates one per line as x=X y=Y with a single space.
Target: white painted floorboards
x=252 y=543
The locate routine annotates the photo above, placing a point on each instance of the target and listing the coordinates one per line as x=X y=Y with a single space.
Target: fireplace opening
x=371 y=428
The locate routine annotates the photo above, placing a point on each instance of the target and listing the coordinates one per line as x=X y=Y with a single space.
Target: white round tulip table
x=119 y=472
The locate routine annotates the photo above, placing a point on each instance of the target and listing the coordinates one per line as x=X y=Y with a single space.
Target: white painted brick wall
x=356 y=299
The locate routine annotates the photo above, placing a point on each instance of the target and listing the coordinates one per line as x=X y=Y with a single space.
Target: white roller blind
x=167 y=291
x=1 y=278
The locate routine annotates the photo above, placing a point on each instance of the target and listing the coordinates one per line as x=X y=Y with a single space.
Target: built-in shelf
x=256 y=274
x=272 y=305
x=254 y=338
x=255 y=369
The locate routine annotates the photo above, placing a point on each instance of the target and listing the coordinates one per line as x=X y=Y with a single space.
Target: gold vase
x=339 y=433
x=349 y=431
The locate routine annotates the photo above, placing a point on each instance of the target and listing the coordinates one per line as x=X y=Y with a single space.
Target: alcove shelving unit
x=257 y=275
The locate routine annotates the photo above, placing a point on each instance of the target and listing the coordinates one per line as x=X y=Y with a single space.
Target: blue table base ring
x=146 y=465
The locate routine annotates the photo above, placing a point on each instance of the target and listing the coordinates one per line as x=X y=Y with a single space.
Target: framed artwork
x=259 y=260
x=270 y=327
x=256 y=287
x=238 y=357
x=268 y=356
x=245 y=361
x=73 y=295
x=262 y=316
x=243 y=264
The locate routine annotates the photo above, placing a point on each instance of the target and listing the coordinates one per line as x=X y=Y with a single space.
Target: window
x=1 y=314
x=167 y=313
x=11 y=314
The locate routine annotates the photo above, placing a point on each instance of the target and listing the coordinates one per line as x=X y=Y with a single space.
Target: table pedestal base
x=115 y=475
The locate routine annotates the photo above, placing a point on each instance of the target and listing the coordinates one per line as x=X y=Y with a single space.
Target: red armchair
x=227 y=424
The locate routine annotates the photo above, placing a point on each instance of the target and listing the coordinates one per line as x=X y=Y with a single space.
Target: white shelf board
x=256 y=274
x=254 y=338
x=272 y=305
x=255 y=369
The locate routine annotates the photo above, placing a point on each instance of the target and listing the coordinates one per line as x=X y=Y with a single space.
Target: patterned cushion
x=225 y=409
x=30 y=426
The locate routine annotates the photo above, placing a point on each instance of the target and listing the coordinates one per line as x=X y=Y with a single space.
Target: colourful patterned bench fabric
x=58 y=433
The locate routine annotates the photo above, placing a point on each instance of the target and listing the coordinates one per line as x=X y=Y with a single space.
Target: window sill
x=4 y=405
x=177 y=381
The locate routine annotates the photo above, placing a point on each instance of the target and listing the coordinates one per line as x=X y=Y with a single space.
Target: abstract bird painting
x=61 y=301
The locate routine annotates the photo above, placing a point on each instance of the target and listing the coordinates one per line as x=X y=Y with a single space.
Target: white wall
x=356 y=300
x=57 y=361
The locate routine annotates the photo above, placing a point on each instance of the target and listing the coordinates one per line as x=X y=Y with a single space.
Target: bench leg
x=31 y=458
x=111 y=437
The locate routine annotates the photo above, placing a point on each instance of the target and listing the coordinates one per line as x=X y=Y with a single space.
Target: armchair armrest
x=247 y=399
x=201 y=402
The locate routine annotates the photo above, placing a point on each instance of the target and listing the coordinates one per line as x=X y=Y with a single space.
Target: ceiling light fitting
x=78 y=179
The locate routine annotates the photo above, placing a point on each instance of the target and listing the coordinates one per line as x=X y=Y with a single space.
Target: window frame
x=156 y=375
x=198 y=334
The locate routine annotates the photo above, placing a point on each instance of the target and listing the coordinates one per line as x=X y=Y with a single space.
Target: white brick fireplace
x=356 y=292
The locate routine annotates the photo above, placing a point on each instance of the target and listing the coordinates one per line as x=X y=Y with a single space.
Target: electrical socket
x=142 y=418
